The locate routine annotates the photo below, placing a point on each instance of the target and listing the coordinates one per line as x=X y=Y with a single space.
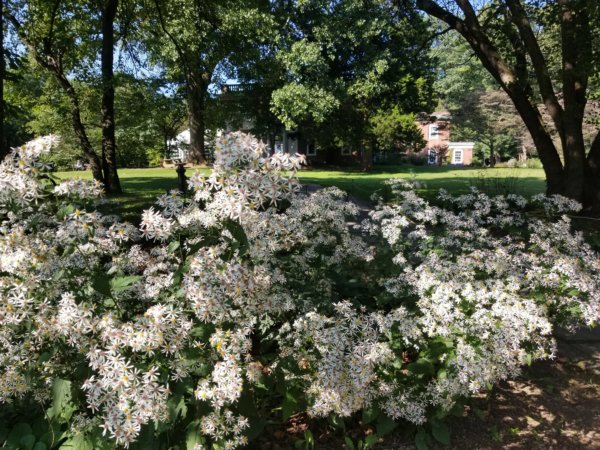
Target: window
x=434 y=132
x=278 y=147
x=293 y=146
x=311 y=149
x=346 y=151
x=432 y=157
x=457 y=157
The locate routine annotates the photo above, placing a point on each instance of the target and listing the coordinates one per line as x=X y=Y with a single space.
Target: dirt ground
x=554 y=405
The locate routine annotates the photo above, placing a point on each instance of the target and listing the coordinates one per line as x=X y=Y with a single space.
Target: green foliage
x=396 y=131
x=340 y=69
x=296 y=103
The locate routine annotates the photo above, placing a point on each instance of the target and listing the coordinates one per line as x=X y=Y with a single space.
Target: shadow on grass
x=139 y=193
x=364 y=187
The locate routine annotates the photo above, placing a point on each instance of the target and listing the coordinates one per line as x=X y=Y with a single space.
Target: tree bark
x=577 y=174
x=367 y=155
x=109 y=154
x=84 y=142
x=197 y=90
x=51 y=62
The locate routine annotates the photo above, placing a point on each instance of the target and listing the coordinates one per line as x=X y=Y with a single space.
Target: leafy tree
x=205 y=41
x=489 y=118
x=3 y=146
x=341 y=68
x=504 y=34
x=74 y=41
x=396 y=131
x=459 y=72
x=51 y=31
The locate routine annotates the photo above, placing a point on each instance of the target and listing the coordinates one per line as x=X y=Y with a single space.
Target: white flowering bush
x=246 y=302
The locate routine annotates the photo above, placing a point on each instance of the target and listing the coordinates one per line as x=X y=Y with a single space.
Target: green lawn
x=141 y=186
x=454 y=179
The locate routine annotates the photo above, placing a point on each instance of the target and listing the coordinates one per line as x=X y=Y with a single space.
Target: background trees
x=346 y=62
x=199 y=43
x=540 y=50
x=351 y=73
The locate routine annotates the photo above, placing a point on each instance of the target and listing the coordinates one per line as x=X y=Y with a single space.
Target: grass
x=141 y=186
x=454 y=179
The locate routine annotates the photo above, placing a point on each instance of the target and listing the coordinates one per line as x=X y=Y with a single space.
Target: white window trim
x=434 y=131
x=311 y=149
x=455 y=152
x=346 y=151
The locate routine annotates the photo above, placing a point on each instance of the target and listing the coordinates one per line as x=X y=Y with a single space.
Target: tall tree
x=204 y=41
x=109 y=153
x=43 y=28
x=341 y=68
x=515 y=56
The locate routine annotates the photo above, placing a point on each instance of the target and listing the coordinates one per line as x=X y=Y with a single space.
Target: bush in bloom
x=247 y=297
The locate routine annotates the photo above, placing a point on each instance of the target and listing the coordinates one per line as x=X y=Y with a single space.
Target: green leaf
x=173 y=246
x=370 y=414
x=177 y=407
x=65 y=211
x=257 y=425
x=349 y=443
x=309 y=439
x=337 y=422
x=101 y=283
x=421 y=440
x=371 y=440
x=289 y=405
x=238 y=234
x=422 y=367
x=26 y=442
x=385 y=424
x=62 y=407
x=17 y=432
x=194 y=435
x=440 y=432
x=79 y=442
x=121 y=284
x=39 y=445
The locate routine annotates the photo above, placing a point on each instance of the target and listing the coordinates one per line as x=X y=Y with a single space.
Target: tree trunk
x=78 y=127
x=197 y=86
x=3 y=146
x=367 y=156
x=592 y=176
x=49 y=61
x=492 y=154
x=579 y=178
x=109 y=154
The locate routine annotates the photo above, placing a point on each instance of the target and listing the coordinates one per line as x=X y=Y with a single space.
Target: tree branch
x=520 y=19
x=178 y=47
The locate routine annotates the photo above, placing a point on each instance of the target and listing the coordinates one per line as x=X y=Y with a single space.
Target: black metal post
x=181 y=178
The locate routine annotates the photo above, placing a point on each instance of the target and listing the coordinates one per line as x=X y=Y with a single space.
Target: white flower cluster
x=80 y=189
x=20 y=172
x=251 y=283
x=244 y=177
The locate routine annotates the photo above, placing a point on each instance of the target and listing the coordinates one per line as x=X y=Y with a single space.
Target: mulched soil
x=553 y=405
